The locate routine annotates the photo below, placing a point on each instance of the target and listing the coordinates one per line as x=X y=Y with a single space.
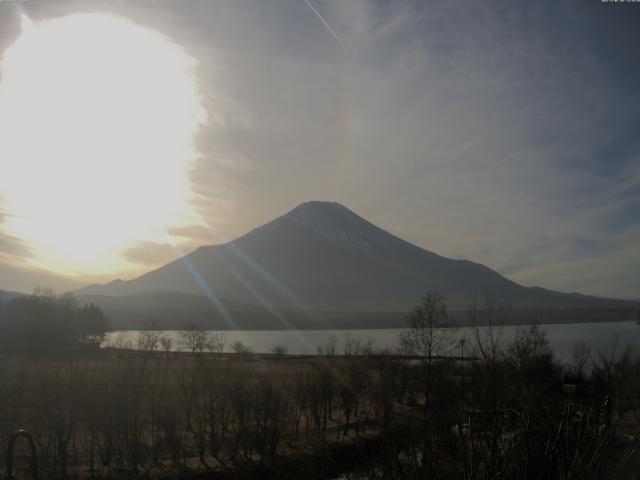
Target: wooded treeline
x=45 y=322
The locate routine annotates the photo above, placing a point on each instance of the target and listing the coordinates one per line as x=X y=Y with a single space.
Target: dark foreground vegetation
x=491 y=408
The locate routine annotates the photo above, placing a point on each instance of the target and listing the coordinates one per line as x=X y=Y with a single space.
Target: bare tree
x=166 y=343
x=357 y=346
x=121 y=341
x=431 y=329
x=430 y=333
x=488 y=317
x=217 y=342
x=239 y=347
x=580 y=357
x=330 y=348
x=279 y=350
x=149 y=340
x=194 y=338
x=268 y=409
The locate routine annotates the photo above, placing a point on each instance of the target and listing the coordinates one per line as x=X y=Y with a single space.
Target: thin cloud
x=13 y=246
x=151 y=253
x=191 y=232
x=9 y=244
x=468 y=129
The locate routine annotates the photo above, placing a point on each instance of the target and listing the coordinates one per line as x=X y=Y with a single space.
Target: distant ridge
x=7 y=296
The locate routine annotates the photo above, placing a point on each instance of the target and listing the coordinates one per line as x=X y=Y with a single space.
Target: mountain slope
x=323 y=254
x=7 y=296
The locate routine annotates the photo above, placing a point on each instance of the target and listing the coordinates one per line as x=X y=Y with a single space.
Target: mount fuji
x=322 y=257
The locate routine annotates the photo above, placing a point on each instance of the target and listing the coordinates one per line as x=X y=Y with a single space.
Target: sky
x=501 y=132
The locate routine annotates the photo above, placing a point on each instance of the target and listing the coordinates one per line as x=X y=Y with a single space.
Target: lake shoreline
x=599 y=336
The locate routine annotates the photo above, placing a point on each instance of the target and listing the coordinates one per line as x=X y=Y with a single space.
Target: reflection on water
x=601 y=337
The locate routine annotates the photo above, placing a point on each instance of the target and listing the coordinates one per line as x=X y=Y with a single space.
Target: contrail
x=335 y=35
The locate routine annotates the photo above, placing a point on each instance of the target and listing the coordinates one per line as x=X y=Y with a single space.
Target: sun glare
x=97 y=123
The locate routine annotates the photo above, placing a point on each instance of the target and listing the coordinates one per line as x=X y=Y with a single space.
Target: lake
x=601 y=337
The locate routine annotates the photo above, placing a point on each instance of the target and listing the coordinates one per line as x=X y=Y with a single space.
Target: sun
x=97 y=123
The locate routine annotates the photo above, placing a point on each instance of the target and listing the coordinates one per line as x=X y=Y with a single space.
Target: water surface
x=601 y=337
